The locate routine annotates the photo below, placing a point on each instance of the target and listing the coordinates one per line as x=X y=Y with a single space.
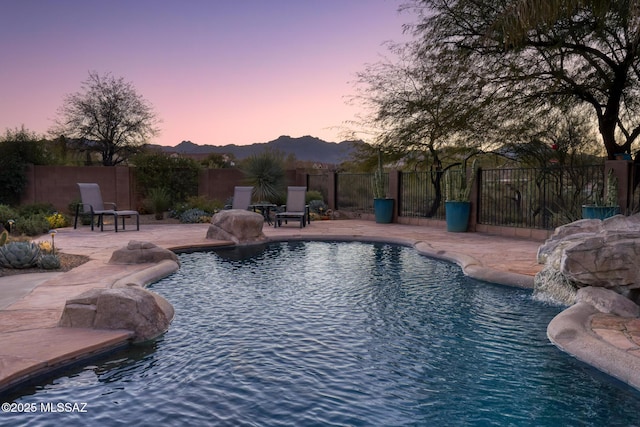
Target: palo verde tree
x=108 y=117
x=536 y=55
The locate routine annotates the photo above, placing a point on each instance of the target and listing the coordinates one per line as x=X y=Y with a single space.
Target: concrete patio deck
x=31 y=304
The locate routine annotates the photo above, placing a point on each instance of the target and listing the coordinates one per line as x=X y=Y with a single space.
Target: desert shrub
x=204 y=203
x=73 y=204
x=158 y=201
x=7 y=213
x=13 y=179
x=179 y=175
x=193 y=216
x=18 y=148
x=200 y=203
x=32 y=225
x=313 y=195
x=317 y=206
x=36 y=209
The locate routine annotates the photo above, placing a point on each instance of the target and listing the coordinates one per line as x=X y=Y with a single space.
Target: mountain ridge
x=305 y=148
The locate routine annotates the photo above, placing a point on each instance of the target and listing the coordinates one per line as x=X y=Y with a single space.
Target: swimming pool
x=330 y=333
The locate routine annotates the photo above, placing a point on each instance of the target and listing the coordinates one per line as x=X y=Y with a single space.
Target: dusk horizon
x=216 y=73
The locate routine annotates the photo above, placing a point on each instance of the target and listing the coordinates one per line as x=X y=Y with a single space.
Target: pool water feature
x=338 y=333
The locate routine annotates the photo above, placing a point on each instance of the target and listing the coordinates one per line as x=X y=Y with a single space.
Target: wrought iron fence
x=319 y=182
x=421 y=195
x=537 y=198
x=354 y=191
x=524 y=197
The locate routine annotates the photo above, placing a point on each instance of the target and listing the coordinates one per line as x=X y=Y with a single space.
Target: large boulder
x=566 y=234
x=584 y=228
x=141 y=253
x=133 y=308
x=591 y=253
x=237 y=225
x=607 y=259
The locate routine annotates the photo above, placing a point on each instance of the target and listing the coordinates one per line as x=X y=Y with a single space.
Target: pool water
x=338 y=334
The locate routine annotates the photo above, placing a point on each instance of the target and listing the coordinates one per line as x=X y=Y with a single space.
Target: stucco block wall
x=58 y=184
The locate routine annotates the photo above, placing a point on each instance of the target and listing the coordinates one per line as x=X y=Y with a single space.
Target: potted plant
x=457 y=189
x=382 y=205
x=606 y=205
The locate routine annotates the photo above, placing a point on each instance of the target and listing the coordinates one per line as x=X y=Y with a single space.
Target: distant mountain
x=306 y=148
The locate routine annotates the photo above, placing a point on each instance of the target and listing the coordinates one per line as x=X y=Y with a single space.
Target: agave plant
x=19 y=255
x=49 y=262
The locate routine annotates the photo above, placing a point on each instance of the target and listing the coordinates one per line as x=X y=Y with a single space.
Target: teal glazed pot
x=599 y=212
x=457 y=215
x=383 y=209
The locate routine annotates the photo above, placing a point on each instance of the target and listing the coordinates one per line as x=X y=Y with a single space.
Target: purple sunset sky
x=216 y=71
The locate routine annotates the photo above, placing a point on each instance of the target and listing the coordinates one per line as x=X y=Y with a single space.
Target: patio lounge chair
x=295 y=208
x=93 y=205
x=241 y=197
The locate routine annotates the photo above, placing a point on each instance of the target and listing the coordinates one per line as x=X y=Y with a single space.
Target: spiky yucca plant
x=265 y=172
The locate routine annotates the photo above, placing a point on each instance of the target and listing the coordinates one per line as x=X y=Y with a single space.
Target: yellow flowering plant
x=45 y=247
x=57 y=220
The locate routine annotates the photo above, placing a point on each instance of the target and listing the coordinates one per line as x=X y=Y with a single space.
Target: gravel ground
x=67 y=262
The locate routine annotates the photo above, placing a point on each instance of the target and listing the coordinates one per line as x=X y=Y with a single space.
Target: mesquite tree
x=108 y=117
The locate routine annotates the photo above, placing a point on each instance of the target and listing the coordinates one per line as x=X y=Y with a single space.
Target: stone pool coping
x=609 y=343
x=33 y=344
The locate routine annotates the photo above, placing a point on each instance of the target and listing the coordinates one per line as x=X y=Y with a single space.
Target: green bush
x=36 y=209
x=193 y=216
x=202 y=202
x=73 y=205
x=7 y=213
x=179 y=175
x=13 y=179
x=32 y=225
x=199 y=203
x=313 y=195
x=158 y=201
x=18 y=148
x=317 y=206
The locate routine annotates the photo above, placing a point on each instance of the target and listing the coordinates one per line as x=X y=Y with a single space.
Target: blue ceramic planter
x=599 y=212
x=383 y=209
x=457 y=215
